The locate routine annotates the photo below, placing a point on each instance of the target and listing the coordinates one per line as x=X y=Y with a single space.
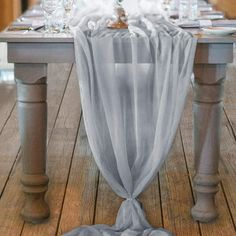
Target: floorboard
x=80 y=198
x=223 y=225
x=176 y=193
x=60 y=151
x=12 y=198
x=8 y=95
x=228 y=147
x=79 y=195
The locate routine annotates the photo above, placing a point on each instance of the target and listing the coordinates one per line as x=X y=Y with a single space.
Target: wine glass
x=68 y=6
x=120 y=18
x=49 y=7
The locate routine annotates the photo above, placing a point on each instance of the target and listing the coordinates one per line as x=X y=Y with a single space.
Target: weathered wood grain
x=228 y=165
x=32 y=113
x=107 y=205
x=60 y=152
x=207 y=113
x=80 y=199
x=176 y=193
x=8 y=101
x=229 y=101
x=9 y=147
x=223 y=225
x=11 y=204
x=32 y=109
x=8 y=130
x=151 y=202
x=58 y=77
x=12 y=198
x=9 y=137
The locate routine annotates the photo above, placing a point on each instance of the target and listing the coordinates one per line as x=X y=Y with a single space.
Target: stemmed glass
x=49 y=7
x=166 y=6
x=120 y=18
x=68 y=6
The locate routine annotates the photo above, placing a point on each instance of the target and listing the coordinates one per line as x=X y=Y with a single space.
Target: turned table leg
x=32 y=108
x=207 y=108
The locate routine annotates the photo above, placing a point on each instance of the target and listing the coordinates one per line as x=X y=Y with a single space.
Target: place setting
x=53 y=17
x=202 y=19
x=49 y=17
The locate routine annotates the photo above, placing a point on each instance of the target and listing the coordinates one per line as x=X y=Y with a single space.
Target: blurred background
x=11 y=9
x=226 y=6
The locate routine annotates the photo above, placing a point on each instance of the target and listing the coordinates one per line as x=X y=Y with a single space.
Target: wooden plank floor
x=79 y=195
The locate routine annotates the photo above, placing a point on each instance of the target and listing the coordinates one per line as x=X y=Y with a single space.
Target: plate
x=211 y=17
x=219 y=30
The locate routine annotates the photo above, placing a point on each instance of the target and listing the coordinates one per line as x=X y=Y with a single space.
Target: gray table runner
x=133 y=87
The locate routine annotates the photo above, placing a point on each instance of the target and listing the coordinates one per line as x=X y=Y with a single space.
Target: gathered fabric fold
x=130 y=221
x=133 y=85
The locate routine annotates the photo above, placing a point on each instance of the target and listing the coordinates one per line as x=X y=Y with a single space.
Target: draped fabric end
x=130 y=222
x=133 y=85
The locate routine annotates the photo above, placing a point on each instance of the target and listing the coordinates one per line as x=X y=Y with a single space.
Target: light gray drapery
x=133 y=86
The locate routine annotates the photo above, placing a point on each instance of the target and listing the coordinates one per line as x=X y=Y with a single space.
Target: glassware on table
x=120 y=18
x=188 y=10
x=166 y=4
x=49 y=7
x=194 y=13
x=173 y=8
x=68 y=6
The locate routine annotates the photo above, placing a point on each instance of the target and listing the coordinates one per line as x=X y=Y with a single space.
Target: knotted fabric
x=133 y=85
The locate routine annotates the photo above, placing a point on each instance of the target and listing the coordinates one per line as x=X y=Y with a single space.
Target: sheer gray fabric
x=133 y=87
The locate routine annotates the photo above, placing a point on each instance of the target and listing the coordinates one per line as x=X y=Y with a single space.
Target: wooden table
x=32 y=52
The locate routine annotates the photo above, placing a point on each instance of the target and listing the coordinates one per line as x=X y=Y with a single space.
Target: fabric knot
x=130 y=199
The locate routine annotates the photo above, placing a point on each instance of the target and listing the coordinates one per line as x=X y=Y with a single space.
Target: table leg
x=207 y=108
x=32 y=108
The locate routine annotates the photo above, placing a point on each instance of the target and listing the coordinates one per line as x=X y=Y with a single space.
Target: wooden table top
x=41 y=37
